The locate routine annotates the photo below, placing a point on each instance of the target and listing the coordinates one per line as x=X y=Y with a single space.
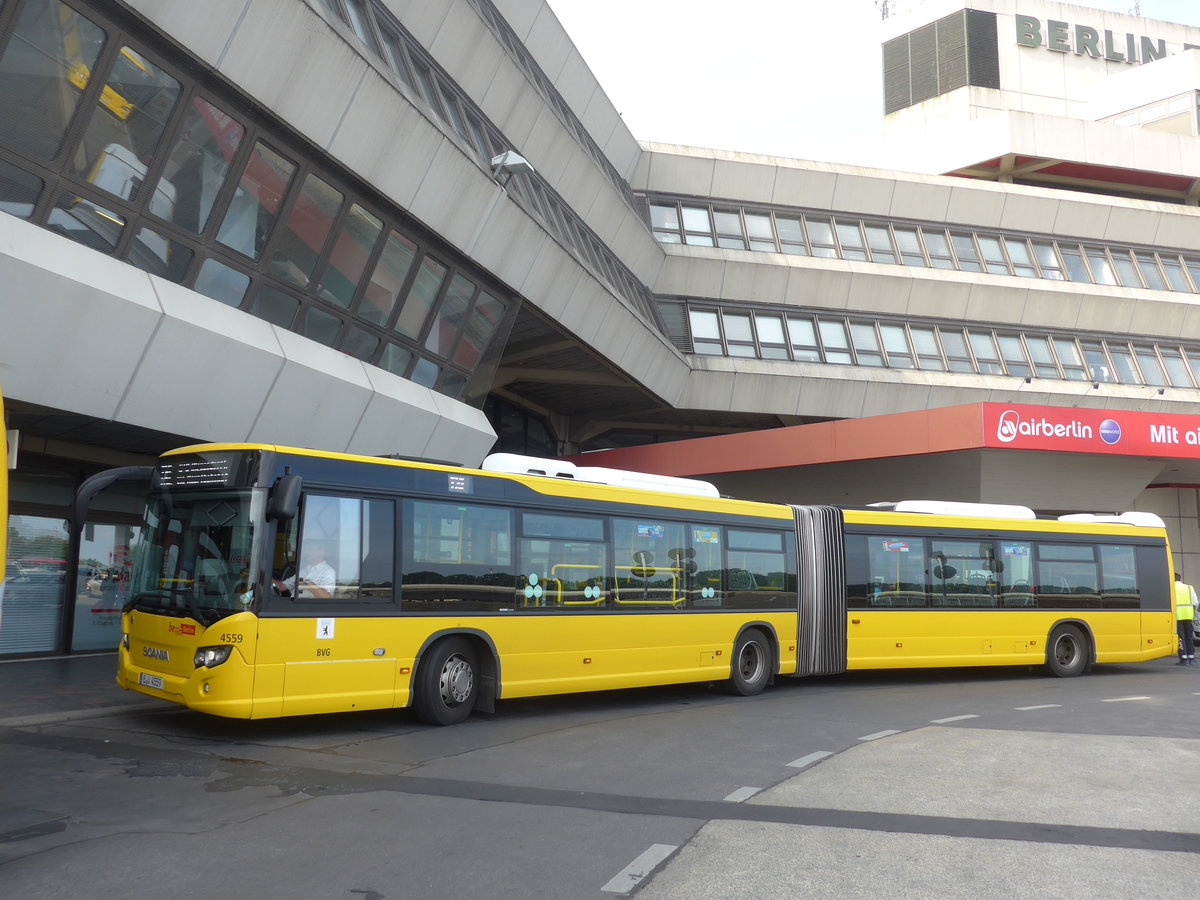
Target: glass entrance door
x=102 y=586
x=37 y=563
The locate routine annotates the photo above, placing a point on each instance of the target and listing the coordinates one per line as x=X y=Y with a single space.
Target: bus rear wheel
x=447 y=683
x=750 y=669
x=1067 y=653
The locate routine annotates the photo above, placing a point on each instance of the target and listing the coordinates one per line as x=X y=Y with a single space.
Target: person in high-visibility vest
x=1185 y=613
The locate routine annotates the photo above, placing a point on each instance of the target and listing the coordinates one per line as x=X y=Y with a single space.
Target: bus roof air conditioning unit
x=955 y=508
x=1144 y=519
x=516 y=464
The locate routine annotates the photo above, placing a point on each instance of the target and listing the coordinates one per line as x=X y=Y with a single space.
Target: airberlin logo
x=1011 y=426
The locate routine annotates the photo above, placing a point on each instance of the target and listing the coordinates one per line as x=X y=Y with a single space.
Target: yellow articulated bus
x=275 y=581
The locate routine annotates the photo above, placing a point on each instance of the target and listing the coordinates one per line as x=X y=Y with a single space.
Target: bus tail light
x=211 y=657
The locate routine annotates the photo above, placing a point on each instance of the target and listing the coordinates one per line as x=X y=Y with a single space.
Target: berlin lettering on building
x=1084 y=40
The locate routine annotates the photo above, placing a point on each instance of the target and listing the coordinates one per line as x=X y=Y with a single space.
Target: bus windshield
x=198 y=554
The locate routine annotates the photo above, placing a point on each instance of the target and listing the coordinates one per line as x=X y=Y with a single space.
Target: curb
x=72 y=715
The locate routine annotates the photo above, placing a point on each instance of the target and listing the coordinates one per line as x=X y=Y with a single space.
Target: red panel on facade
x=1106 y=175
x=1083 y=171
x=873 y=437
x=971 y=427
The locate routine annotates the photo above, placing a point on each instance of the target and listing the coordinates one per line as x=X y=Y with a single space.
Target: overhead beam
x=522 y=402
x=1007 y=170
x=508 y=374
x=537 y=349
x=597 y=427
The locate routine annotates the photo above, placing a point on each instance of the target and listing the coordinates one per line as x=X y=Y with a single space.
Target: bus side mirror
x=284 y=500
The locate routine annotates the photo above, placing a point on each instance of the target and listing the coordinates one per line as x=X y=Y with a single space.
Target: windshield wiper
x=197 y=613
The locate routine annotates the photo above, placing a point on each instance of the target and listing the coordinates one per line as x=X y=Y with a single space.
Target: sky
x=794 y=78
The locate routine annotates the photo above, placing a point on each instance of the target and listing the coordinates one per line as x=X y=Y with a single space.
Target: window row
x=459 y=557
x=760 y=334
x=1181 y=108
x=104 y=144
x=388 y=41
x=928 y=246
x=916 y=571
x=524 y=59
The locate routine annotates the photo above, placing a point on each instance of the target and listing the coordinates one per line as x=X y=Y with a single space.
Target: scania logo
x=155 y=653
x=1110 y=431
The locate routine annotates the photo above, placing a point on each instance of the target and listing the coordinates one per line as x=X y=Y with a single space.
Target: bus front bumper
x=221 y=691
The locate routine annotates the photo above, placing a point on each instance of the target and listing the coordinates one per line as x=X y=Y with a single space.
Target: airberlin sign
x=1120 y=432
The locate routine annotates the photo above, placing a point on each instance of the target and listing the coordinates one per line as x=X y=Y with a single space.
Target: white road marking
x=953 y=719
x=742 y=793
x=1042 y=706
x=1122 y=699
x=877 y=735
x=809 y=760
x=630 y=876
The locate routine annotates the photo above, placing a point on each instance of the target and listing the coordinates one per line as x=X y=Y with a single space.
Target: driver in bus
x=317 y=577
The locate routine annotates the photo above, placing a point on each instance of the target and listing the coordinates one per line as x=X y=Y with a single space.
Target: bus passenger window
x=379 y=551
x=457 y=558
x=563 y=562
x=1016 y=576
x=701 y=564
x=644 y=573
x=896 y=573
x=964 y=574
x=1118 y=578
x=1067 y=576
x=757 y=573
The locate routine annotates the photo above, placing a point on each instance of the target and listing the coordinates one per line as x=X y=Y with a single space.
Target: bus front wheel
x=1067 y=653
x=750 y=669
x=447 y=683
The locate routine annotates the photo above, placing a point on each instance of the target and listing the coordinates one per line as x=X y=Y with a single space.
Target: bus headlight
x=211 y=657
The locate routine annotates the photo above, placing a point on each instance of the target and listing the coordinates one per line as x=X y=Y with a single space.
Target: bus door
x=322 y=645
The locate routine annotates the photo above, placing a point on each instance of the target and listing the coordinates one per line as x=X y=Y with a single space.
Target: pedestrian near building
x=1185 y=613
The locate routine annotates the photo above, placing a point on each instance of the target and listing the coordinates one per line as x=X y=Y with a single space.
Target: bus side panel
x=919 y=638
x=1117 y=635
x=893 y=639
x=566 y=654
x=322 y=665
x=1159 y=636
x=327 y=664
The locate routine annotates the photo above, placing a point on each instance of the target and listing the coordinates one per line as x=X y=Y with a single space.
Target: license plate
x=154 y=681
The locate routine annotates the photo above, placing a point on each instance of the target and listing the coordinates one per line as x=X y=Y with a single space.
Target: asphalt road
x=962 y=783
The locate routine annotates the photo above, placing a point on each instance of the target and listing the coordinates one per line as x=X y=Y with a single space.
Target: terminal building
x=421 y=228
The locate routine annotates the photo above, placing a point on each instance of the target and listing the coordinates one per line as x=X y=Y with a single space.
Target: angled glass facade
x=108 y=142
